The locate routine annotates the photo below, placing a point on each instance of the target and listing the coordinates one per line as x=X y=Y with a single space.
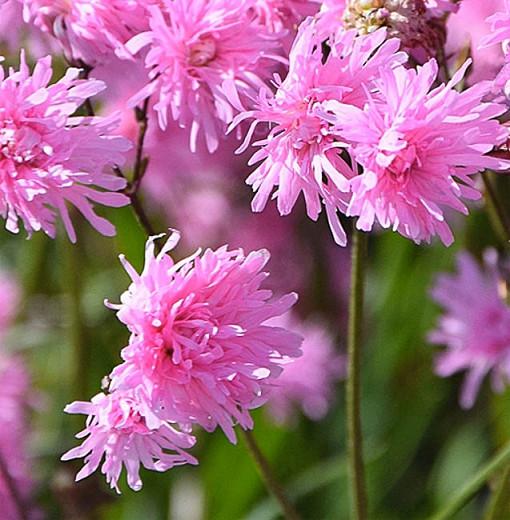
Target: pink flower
x=200 y=345
x=198 y=49
x=14 y=401
x=309 y=381
x=419 y=149
x=278 y=15
x=475 y=327
x=500 y=27
x=122 y=428
x=300 y=153
x=49 y=158
x=89 y=30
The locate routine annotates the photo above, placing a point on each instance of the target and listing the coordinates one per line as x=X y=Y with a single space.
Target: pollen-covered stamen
x=202 y=52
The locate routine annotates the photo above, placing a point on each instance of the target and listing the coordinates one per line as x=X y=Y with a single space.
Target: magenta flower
x=122 y=428
x=475 y=327
x=419 y=149
x=200 y=345
x=300 y=153
x=89 y=30
x=309 y=381
x=198 y=50
x=49 y=158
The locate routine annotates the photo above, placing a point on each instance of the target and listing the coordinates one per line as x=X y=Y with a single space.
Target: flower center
x=202 y=52
x=20 y=145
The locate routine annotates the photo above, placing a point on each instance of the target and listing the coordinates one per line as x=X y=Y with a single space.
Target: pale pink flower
x=279 y=15
x=475 y=327
x=49 y=158
x=14 y=404
x=198 y=51
x=89 y=30
x=500 y=27
x=419 y=149
x=122 y=428
x=300 y=153
x=309 y=381
x=200 y=345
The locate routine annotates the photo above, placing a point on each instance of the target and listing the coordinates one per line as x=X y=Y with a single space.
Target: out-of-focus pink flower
x=200 y=345
x=499 y=27
x=278 y=15
x=466 y=29
x=14 y=402
x=49 y=158
x=198 y=51
x=419 y=149
x=438 y=8
x=307 y=382
x=300 y=154
x=89 y=30
x=475 y=327
x=122 y=428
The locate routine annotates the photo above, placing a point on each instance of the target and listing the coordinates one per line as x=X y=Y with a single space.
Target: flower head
x=49 y=158
x=309 y=381
x=300 y=153
x=89 y=30
x=122 y=428
x=475 y=327
x=200 y=345
x=419 y=149
x=197 y=49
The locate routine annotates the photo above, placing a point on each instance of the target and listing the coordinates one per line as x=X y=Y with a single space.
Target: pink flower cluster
x=357 y=107
x=48 y=157
x=476 y=325
x=200 y=352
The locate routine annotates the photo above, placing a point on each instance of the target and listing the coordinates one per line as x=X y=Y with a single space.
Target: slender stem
x=13 y=489
x=496 y=211
x=498 y=507
x=268 y=477
x=469 y=490
x=353 y=387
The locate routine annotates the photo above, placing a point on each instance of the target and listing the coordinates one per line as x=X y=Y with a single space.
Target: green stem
x=496 y=211
x=268 y=477
x=472 y=487
x=353 y=386
x=498 y=507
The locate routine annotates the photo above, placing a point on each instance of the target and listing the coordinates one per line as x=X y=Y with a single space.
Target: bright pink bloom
x=200 y=345
x=122 y=428
x=475 y=327
x=89 y=30
x=48 y=157
x=309 y=381
x=198 y=49
x=300 y=153
x=419 y=149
